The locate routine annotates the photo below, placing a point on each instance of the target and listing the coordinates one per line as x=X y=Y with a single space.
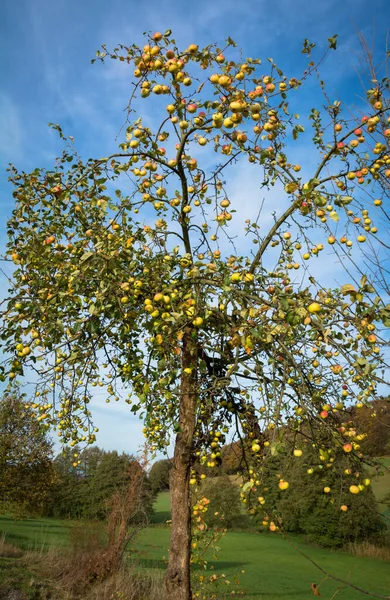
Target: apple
x=344 y=508
x=283 y=485
x=224 y=80
x=298 y=452
x=324 y=414
x=256 y=447
x=326 y=490
x=354 y=489
x=314 y=307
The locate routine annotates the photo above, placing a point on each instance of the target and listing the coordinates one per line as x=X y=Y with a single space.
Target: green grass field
x=162 y=508
x=381 y=489
x=267 y=567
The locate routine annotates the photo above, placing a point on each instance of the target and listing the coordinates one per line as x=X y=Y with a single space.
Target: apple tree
x=139 y=272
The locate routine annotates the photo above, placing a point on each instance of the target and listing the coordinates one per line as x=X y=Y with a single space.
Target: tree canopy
x=86 y=480
x=131 y=274
x=26 y=470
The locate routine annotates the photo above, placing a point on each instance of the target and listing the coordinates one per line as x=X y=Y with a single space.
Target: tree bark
x=177 y=579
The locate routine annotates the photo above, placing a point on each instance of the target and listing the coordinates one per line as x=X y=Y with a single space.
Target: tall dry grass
x=125 y=585
x=7 y=550
x=95 y=557
x=369 y=550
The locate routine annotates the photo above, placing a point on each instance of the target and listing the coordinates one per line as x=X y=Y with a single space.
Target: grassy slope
x=267 y=567
x=34 y=534
x=272 y=569
x=381 y=488
x=162 y=508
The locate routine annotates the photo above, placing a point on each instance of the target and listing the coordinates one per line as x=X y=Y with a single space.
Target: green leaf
x=333 y=42
x=247 y=486
x=86 y=256
x=92 y=309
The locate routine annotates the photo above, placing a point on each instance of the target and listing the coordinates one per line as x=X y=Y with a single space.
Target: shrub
x=305 y=508
x=225 y=506
x=159 y=476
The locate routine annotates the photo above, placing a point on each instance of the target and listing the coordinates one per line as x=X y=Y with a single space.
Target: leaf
x=347 y=288
x=92 y=309
x=86 y=256
x=363 y=281
x=315 y=590
x=291 y=187
x=247 y=486
x=333 y=42
x=385 y=315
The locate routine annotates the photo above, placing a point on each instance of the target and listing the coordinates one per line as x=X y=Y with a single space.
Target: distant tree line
x=82 y=491
x=372 y=420
x=75 y=484
x=327 y=518
x=78 y=484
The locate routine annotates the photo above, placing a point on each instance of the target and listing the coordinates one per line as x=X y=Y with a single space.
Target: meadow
x=259 y=566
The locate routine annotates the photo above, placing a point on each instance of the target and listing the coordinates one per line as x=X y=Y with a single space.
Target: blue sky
x=46 y=76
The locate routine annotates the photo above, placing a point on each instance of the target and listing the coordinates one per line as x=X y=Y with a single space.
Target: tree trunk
x=177 y=579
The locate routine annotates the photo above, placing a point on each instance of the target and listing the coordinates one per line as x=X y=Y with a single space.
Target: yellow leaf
x=348 y=288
